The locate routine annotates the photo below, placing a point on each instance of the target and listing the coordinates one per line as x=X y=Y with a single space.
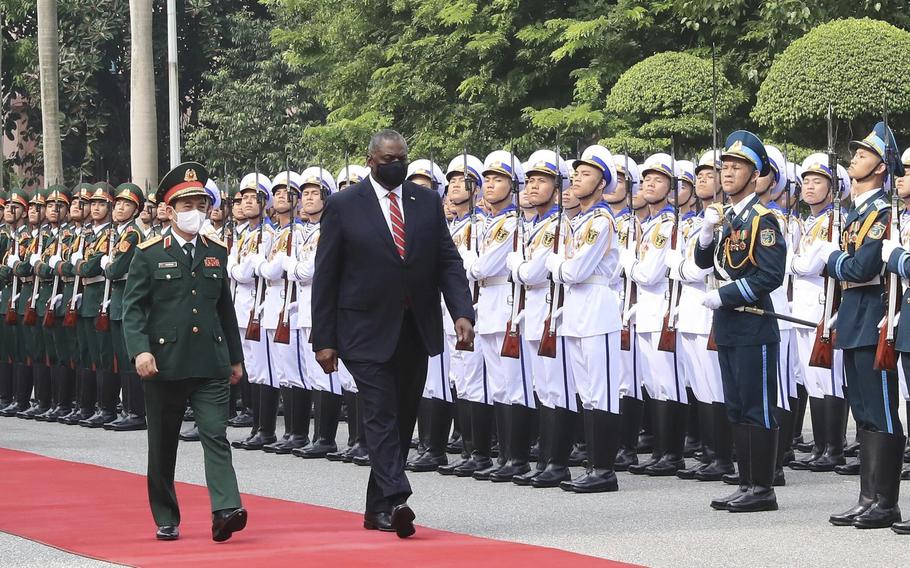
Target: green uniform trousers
x=165 y=403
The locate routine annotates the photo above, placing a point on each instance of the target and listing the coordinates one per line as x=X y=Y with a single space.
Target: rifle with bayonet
x=555 y=298
x=50 y=317
x=253 y=326
x=470 y=188
x=283 y=329
x=667 y=341
x=511 y=343
x=31 y=311
x=823 y=348
x=629 y=289
x=885 y=353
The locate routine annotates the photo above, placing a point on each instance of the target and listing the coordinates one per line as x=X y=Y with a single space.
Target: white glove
x=105 y=261
x=288 y=264
x=468 y=258
x=232 y=262
x=825 y=249
x=34 y=259
x=56 y=300
x=292 y=307
x=12 y=260
x=553 y=262
x=77 y=299
x=711 y=219
x=54 y=261
x=888 y=246
x=712 y=300
x=514 y=260
x=105 y=304
x=627 y=259
x=75 y=258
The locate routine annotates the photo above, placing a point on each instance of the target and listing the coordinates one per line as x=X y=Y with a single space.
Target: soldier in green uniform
x=57 y=198
x=180 y=329
x=6 y=367
x=80 y=229
x=128 y=201
x=15 y=216
x=32 y=339
x=99 y=243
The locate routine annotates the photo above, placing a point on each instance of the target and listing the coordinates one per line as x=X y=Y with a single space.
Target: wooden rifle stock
x=253 y=326
x=31 y=311
x=283 y=329
x=548 y=340
x=11 y=316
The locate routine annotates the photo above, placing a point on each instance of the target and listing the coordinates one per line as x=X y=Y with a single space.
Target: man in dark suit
x=383 y=258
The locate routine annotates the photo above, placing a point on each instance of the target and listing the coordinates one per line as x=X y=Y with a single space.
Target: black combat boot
x=602 y=434
x=267 y=415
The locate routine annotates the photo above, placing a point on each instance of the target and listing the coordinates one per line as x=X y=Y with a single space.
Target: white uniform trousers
x=902 y=380
x=438 y=385
x=595 y=370
x=700 y=367
x=509 y=379
x=819 y=382
x=629 y=371
x=552 y=377
x=345 y=378
x=468 y=373
x=319 y=380
x=288 y=361
x=257 y=357
x=660 y=372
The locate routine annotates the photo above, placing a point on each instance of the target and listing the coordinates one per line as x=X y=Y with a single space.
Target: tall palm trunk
x=143 y=126
x=48 y=55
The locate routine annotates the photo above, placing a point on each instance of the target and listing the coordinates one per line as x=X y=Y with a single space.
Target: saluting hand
x=146 y=366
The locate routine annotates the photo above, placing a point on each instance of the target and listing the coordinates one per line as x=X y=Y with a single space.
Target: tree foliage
x=855 y=65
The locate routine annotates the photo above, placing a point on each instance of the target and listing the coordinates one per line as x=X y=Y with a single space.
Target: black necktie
x=188 y=247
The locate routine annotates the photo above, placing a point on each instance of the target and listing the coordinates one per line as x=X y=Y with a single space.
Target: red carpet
x=108 y=519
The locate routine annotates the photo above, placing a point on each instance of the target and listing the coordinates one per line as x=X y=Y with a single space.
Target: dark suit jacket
x=362 y=286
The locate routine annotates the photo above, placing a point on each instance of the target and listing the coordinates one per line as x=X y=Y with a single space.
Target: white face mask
x=190 y=221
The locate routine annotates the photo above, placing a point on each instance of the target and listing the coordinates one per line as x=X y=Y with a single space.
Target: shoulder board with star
x=880 y=204
x=601 y=212
x=150 y=242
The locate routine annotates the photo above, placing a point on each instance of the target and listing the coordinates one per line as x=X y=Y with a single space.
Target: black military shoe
x=852 y=467
x=901 y=528
x=625 y=458
x=450 y=468
x=168 y=532
x=294 y=442
x=120 y=418
x=318 y=449
x=258 y=441
x=339 y=455
x=426 y=462
x=132 y=423
x=363 y=460
x=473 y=464
x=357 y=451
x=242 y=420
x=378 y=522
x=99 y=419
x=592 y=481
x=552 y=476
x=226 y=522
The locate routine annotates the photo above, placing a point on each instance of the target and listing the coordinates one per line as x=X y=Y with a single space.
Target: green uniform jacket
x=28 y=245
x=124 y=249
x=90 y=267
x=6 y=273
x=181 y=314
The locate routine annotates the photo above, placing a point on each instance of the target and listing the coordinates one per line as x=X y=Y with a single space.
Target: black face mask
x=391 y=175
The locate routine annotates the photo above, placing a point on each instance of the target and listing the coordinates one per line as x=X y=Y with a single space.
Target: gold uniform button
x=195 y=329
x=219 y=339
x=195 y=311
x=193 y=274
x=161 y=341
x=167 y=277
x=193 y=292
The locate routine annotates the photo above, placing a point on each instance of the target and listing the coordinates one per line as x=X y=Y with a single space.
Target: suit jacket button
x=161 y=341
x=195 y=329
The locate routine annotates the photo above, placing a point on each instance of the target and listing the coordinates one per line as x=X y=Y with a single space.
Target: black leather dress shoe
x=361 y=460
x=402 y=520
x=226 y=522
x=852 y=467
x=242 y=420
x=258 y=441
x=426 y=462
x=99 y=419
x=378 y=522
x=901 y=528
x=190 y=434
x=132 y=423
x=120 y=418
x=168 y=532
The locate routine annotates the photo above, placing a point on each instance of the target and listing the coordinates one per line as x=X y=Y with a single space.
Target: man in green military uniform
x=31 y=336
x=180 y=328
x=15 y=216
x=6 y=368
x=99 y=243
x=128 y=201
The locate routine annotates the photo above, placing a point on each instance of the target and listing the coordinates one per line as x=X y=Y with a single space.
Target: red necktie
x=397 y=224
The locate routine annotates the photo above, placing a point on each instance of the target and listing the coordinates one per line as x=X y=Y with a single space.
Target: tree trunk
x=143 y=125
x=48 y=54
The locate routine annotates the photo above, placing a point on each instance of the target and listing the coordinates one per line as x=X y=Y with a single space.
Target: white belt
x=120 y=279
x=848 y=285
x=494 y=281
x=93 y=280
x=540 y=286
x=597 y=280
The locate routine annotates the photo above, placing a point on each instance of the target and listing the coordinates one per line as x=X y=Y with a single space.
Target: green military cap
x=58 y=193
x=4 y=197
x=19 y=196
x=131 y=192
x=186 y=180
x=102 y=191
x=83 y=191
x=38 y=197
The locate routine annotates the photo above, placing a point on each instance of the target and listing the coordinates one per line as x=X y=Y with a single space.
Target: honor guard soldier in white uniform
x=317 y=185
x=251 y=250
x=434 y=416
x=506 y=381
x=698 y=364
x=628 y=229
x=750 y=258
x=547 y=176
x=660 y=370
x=820 y=187
x=278 y=318
x=466 y=368
x=903 y=186
x=591 y=322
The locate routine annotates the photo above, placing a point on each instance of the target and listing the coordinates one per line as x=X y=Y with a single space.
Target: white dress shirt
x=382 y=194
x=181 y=242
